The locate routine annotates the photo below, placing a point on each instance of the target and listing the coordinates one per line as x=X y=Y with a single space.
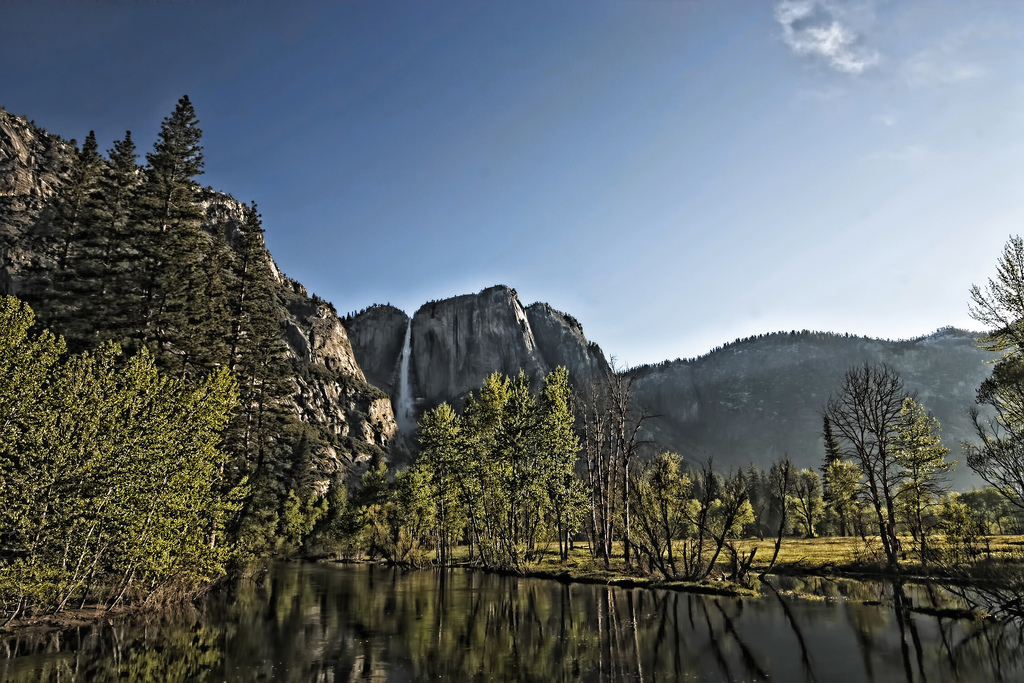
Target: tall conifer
x=113 y=257
x=61 y=304
x=171 y=242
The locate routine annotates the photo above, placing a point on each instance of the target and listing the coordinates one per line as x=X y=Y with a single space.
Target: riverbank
x=818 y=568
x=66 y=620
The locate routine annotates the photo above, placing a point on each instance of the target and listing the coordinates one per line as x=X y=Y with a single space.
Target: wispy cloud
x=821 y=29
x=887 y=120
x=939 y=67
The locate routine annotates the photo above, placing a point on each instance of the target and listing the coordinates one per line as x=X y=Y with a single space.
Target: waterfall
x=404 y=410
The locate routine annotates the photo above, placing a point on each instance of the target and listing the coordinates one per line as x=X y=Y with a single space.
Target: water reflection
x=308 y=622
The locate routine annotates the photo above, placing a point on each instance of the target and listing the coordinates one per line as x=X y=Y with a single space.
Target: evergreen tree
x=172 y=245
x=61 y=304
x=998 y=454
x=110 y=258
x=256 y=351
x=833 y=451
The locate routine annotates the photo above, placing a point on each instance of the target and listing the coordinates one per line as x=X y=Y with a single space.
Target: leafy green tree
x=992 y=511
x=402 y=515
x=558 y=449
x=919 y=451
x=110 y=471
x=660 y=516
x=961 y=532
x=717 y=508
x=442 y=454
x=522 y=492
x=841 y=491
x=25 y=364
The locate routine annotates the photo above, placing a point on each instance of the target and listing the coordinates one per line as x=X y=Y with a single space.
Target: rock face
x=762 y=398
x=377 y=335
x=33 y=164
x=456 y=343
x=331 y=392
x=560 y=339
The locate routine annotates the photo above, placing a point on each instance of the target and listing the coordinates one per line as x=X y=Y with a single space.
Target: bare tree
x=865 y=413
x=780 y=483
x=612 y=428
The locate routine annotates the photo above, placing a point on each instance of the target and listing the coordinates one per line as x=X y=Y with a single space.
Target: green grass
x=827 y=555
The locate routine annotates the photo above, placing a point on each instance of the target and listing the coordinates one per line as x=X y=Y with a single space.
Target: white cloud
x=887 y=120
x=823 y=30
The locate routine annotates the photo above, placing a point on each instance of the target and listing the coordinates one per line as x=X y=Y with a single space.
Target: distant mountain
x=761 y=398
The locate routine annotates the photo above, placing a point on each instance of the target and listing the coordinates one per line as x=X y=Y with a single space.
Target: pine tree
x=62 y=304
x=172 y=245
x=112 y=257
x=833 y=451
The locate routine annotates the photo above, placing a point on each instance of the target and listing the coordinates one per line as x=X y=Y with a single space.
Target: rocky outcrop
x=761 y=398
x=331 y=390
x=377 y=334
x=33 y=164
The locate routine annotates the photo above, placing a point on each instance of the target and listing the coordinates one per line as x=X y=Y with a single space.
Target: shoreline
x=725 y=588
x=67 y=620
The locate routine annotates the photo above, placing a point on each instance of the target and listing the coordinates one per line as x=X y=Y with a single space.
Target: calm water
x=307 y=622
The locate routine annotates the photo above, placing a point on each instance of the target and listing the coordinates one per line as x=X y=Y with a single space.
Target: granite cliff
x=455 y=343
x=750 y=401
x=377 y=335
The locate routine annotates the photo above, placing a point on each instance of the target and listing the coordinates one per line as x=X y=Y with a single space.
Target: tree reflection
x=327 y=623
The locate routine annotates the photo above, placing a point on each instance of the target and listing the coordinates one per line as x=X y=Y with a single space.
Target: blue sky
x=674 y=174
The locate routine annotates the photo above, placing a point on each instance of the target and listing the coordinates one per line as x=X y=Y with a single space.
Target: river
x=335 y=623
